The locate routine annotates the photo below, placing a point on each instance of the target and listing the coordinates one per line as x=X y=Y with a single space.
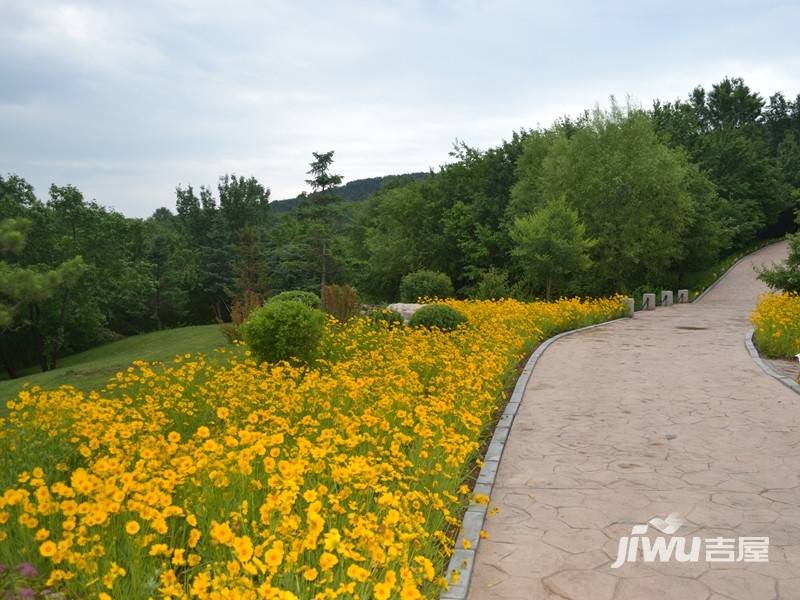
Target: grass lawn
x=91 y=369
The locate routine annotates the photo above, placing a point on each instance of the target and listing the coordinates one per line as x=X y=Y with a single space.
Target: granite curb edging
x=751 y=348
x=463 y=559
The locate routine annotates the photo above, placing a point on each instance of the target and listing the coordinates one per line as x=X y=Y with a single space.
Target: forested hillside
x=609 y=201
x=355 y=191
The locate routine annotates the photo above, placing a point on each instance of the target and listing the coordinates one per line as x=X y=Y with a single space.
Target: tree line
x=613 y=200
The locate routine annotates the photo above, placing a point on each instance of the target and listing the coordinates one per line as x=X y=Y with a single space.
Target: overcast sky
x=126 y=100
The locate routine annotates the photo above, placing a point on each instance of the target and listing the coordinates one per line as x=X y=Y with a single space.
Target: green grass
x=93 y=368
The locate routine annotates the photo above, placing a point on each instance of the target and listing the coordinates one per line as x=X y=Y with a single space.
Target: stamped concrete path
x=664 y=413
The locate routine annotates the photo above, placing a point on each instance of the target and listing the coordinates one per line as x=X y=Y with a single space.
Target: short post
x=630 y=307
x=683 y=296
x=666 y=297
x=648 y=301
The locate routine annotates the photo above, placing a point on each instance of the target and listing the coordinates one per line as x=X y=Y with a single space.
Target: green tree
x=785 y=276
x=322 y=179
x=22 y=290
x=250 y=265
x=551 y=246
x=630 y=190
x=242 y=202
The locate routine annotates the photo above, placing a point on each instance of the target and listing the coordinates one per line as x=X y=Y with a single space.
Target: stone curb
x=463 y=559
x=751 y=348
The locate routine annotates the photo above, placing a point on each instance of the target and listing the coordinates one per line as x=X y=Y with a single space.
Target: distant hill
x=354 y=191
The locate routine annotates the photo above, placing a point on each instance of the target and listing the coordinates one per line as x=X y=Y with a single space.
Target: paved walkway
x=645 y=417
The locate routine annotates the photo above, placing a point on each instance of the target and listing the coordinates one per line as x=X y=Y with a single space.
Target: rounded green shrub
x=493 y=285
x=442 y=317
x=425 y=284
x=287 y=330
x=307 y=298
x=391 y=318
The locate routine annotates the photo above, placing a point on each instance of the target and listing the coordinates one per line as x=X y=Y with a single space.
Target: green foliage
x=551 y=246
x=250 y=265
x=493 y=285
x=630 y=191
x=425 y=284
x=386 y=318
x=322 y=180
x=288 y=330
x=25 y=292
x=445 y=318
x=310 y=299
x=785 y=276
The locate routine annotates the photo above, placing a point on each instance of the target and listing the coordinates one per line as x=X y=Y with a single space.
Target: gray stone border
x=751 y=348
x=462 y=559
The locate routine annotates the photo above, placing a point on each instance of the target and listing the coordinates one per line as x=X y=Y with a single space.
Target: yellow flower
x=358 y=573
x=243 y=547
x=221 y=532
x=48 y=549
x=194 y=538
x=132 y=527
x=274 y=556
x=327 y=561
x=223 y=413
x=310 y=574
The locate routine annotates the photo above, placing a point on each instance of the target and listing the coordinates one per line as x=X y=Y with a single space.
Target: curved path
x=664 y=413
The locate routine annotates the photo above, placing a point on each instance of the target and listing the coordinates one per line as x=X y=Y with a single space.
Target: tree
x=242 y=202
x=320 y=216
x=22 y=290
x=322 y=180
x=630 y=190
x=167 y=297
x=551 y=245
x=250 y=266
x=785 y=276
x=216 y=275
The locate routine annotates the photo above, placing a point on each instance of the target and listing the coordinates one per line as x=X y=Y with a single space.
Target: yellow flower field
x=777 y=325
x=214 y=477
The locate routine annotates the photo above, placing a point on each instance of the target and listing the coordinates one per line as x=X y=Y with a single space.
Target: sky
x=127 y=100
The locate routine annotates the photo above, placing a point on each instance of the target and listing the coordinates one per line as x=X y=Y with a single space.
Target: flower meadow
x=216 y=477
x=776 y=320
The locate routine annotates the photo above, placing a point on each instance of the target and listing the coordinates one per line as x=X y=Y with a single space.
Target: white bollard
x=683 y=296
x=630 y=307
x=666 y=297
x=648 y=301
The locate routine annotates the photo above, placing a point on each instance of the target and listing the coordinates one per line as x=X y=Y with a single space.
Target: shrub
x=391 y=318
x=307 y=298
x=425 y=284
x=493 y=285
x=283 y=331
x=341 y=301
x=438 y=315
